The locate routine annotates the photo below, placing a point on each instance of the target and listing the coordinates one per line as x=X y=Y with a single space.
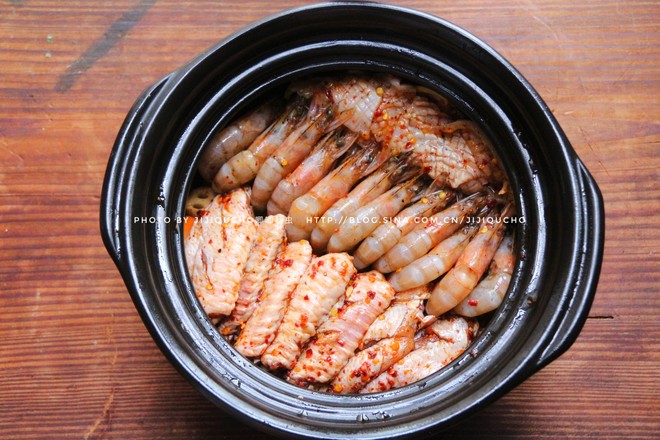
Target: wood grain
x=76 y=361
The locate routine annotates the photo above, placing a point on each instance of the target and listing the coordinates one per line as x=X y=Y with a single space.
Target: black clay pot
x=154 y=162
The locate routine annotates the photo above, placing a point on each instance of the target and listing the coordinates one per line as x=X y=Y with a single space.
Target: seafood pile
x=381 y=233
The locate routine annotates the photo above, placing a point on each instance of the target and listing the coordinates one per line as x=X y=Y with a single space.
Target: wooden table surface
x=76 y=360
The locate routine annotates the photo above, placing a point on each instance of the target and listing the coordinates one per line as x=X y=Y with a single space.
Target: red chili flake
x=303 y=320
x=362 y=370
x=321 y=263
x=371 y=294
x=306 y=297
x=473 y=302
x=287 y=263
x=308 y=353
